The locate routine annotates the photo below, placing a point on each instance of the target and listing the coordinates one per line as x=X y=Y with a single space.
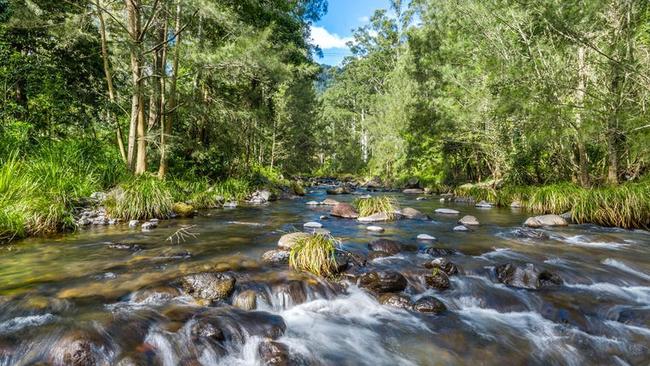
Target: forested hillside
x=466 y=91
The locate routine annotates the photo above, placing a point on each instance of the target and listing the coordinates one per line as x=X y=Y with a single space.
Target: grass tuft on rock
x=374 y=205
x=141 y=198
x=314 y=254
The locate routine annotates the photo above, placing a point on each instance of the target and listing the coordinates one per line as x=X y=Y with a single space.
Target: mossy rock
x=183 y=209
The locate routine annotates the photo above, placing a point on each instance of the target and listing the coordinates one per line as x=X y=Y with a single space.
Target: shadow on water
x=112 y=295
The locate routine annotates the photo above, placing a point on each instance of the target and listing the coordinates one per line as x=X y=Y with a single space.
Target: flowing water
x=81 y=299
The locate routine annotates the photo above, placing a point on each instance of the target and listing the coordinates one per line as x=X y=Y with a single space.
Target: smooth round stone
x=483 y=204
x=312 y=203
x=461 y=228
x=366 y=196
x=323 y=217
x=468 y=220
x=421 y=199
x=313 y=225
x=426 y=237
x=447 y=211
x=230 y=205
x=377 y=229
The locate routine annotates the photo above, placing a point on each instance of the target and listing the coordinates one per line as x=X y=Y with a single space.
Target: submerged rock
x=313 y=225
x=273 y=353
x=484 y=204
x=287 y=241
x=376 y=229
x=209 y=286
x=385 y=245
x=447 y=211
x=438 y=280
x=377 y=254
x=413 y=214
x=444 y=265
x=149 y=225
x=134 y=223
x=330 y=202
x=545 y=220
x=426 y=237
x=77 y=348
x=155 y=295
x=469 y=220
x=344 y=210
x=461 y=228
x=399 y=301
x=383 y=281
x=276 y=257
x=429 y=304
x=413 y=191
x=531 y=234
x=339 y=190
x=313 y=203
x=526 y=276
x=438 y=252
x=124 y=246
x=245 y=300
x=378 y=217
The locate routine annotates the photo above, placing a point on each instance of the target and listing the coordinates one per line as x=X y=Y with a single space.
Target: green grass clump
x=374 y=205
x=554 y=199
x=297 y=188
x=233 y=189
x=626 y=206
x=479 y=192
x=508 y=194
x=140 y=198
x=314 y=254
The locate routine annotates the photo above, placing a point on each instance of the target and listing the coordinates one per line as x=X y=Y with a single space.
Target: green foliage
x=556 y=199
x=233 y=189
x=479 y=192
x=376 y=204
x=314 y=254
x=626 y=206
x=140 y=198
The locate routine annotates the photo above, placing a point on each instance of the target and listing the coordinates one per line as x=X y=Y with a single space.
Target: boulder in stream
x=447 y=211
x=339 y=190
x=413 y=191
x=287 y=241
x=527 y=233
x=344 y=210
x=376 y=229
x=484 y=204
x=429 y=304
x=276 y=257
x=426 y=237
x=245 y=300
x=437 y=279
x=77 y=348
x=413 y=214
x=273 y=353
x=385 y=245
x=469 y=220
x=383 y=281
x=438 y=252
x=329 y=202
x=526 y=276
x=209 y=286
x=545 y=220
x=444 y=265
x=461 y=228
x=313 y=225
x=262 y=196
x=378 y=217
x=399 y=301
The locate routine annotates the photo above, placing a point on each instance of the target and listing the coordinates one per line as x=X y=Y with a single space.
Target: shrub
x=374 y=205
x=314 y=254
x=140 y=198
x=233 y=189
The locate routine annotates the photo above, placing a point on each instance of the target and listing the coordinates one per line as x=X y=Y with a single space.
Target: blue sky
x=335 y=28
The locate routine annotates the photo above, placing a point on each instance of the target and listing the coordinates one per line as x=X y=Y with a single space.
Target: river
x=81 y=299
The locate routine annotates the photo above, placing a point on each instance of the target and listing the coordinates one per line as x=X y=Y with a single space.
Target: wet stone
x=377 y=254
x=443 y=264
x=545 y=220
x=429 y=304
x=461 y=228
x=426 y=237
x=383 y=281
x=447 y=211
x=124 y=246
x=287 y=241
x=344 y=210
x=527 y=233
x=378 y=217
x=469 y=220
x=376 y=229
x=399 y=301
x=438 y=252
x=437 y=280
x=276 y=257
x=209 y=286
x=155 y=295
x=385 y=245
x=245 y=300
x=274 y=353
x=526 y=276
x=413 y=214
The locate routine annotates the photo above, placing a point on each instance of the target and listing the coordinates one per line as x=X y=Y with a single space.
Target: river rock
x=77 y=348
x=469 y=220
x=313 y=225
x=273 y=353
x=134 y=223
x=376 y=229
x=330 y=202
x=182 y=209
x=545 y=220
x=276 y=257
x=339 y=190
x=385 y=245
x=531 y=234
x=568 y=216
x=526 y=276
x=421 y=199
x=438 y=252
x=516 y=204
x=378 y=217
x=377 y=254
x=245 y=300
x=438 y=280
x=124 y=246
x=484 y=204
x=262 y=196
x=383 y=281
x=155 y=295
x=287 y=241
x=149 y=225
x=426 y=237
x=209 y=286
x=399 y=301
x=447 y=211
x=344 y=210
x=413 y=214
x=413 y=191
x=313 y=203
x=443 y=264
x=231 y=204
x=429 y=304
x=460 y=228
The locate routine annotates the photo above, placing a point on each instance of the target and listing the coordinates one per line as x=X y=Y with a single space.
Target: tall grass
x=478 y=192
x=375 y=205
x=140 y=198
x=626 y=206
x=314 y=254
x=554 y=199
x=233 y=189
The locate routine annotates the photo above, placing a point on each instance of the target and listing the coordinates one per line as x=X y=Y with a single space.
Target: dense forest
x=187 y=100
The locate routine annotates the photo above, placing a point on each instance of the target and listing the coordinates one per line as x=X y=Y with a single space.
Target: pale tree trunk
x=109 y=80
x=168 y=119
x=583 y=164
x=364 y=137
x=137 y=127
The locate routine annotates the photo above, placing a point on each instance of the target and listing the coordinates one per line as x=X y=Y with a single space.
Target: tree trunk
x=137 y=126
x=168 y=119
x=109 y=81
x=583 y=164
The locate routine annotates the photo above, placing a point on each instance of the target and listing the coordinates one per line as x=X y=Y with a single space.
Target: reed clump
x=374 y=205
x=314 y=254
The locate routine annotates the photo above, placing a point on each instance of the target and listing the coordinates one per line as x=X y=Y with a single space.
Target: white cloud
x=326 y=40
x=364 y=19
